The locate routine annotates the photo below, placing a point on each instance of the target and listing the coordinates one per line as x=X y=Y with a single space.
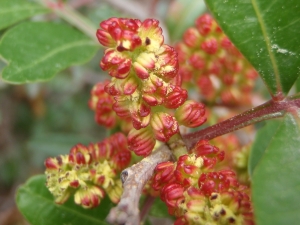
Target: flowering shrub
x=168 y=149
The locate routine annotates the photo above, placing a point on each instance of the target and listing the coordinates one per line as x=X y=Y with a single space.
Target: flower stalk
x=269 y=110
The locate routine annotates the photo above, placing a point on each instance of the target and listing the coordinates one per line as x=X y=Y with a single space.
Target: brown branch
x=134 y=179
x=269 y=110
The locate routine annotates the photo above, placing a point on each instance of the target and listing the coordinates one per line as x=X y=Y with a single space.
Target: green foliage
x=55 y=47
x=263 y=138
x=276 y=180
x=267 y=34
x=13 y=11
x=159 y=209
x=37 y=205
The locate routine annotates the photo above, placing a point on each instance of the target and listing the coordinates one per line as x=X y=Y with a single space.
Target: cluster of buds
x=197 y=194
x=207 y=57
x=237 y=155
x=145 y=83
x=102 y=103
x=89 y=172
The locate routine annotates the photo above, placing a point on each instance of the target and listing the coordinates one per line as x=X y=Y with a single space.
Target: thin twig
x=74 y=18
x=134 y=179
x=269 y=110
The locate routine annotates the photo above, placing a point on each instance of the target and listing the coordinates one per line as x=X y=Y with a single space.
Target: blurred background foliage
x=46 y=119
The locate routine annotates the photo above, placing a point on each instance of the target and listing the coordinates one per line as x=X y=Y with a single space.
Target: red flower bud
x=210 y=46
x=151 y=34
x=141 y=141
x=188 y=169
x=140 y=115
x=172 y=194
x=89 y=198
x=115 y=63
x=204 y=24
x=121 y=106
x=175 y=98
x=167 y=63
x=164 y=174
x=210 y=154
x=197 y=61
x=79 y=154
x=191 y=114
x=191 y=37
x=164 y=126
x=217 y=182
x=51 y=163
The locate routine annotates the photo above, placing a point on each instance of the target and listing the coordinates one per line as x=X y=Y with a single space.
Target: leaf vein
x=18 y=9
x=52 y=53
x=268 y=44
x=62 y=206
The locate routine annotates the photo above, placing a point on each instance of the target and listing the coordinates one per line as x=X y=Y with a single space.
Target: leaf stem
x=269 y=110
x=74 y=18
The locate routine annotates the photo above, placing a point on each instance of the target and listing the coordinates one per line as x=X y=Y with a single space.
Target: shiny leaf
x=37 y=205
x=276 y=180
x=13 y=11
x=267 y=33
x=37 y=51
x=262 y=139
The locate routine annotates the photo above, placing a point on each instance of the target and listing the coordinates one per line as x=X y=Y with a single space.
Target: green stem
x=74 y=18
x=177 y=145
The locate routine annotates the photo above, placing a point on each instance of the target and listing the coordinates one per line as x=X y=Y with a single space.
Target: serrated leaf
x=37 y=51
x=37 y=205
x=13 y=11
x=262 y=139
x=276 y=180
x=267 y=33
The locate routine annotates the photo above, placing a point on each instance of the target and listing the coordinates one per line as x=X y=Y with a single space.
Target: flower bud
x=217 y=182
x=164 y=174
x=151 y=34
x=188 y=169
x=172 y=194
x=191 y=114
x=167 y=63
x=164 y=126
x=89 y=197
x=79 y=154
x=141 y=142
x=210 y=154
x=175 y=98
x=205 y=24
x=116 y=64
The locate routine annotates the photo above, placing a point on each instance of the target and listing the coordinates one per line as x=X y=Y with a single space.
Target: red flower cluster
x=197 y=194
x=88 y=171
x=220 y=71
x=145 y=85
x=102 y=104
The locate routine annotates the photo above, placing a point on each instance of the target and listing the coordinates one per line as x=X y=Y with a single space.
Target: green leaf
x=37 y=51
x=37 y=205
x=267 y=33
x=159 y=209
x=13 y=11
x=262 y=139
x=276 y=180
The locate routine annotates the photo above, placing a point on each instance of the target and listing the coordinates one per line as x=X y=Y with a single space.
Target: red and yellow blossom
x=195 y=193
x=145 y=84
x=89 y=172
x=208 y=58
